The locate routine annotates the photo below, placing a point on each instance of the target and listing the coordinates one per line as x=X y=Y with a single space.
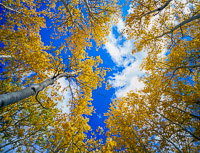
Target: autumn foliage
x=161 y=117
x=36 y=123
x=164 y=116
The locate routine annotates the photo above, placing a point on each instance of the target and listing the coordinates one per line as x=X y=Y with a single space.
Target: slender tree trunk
x=13 y=97
x=140 y=141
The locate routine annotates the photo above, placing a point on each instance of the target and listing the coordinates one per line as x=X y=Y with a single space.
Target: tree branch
x=158 y=9
x=5 y=56
x=184 y=66
x=89 y=10
x=56 y=148
x=169 y=141
x=140 y=141
x=181 y=24
x=39 y=101
x=9 y=8
x=194 y=116
x=86 y=4
x=182 y=127
x=67 y=8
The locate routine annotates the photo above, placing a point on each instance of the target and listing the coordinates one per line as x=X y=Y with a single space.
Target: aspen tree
x=35 y=123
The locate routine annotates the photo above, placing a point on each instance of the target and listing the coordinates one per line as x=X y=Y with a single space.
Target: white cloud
x=66 y=94
x=99 y=116
x=120 y=25
x=128 y=79
x=130 y=10
x=121 y=54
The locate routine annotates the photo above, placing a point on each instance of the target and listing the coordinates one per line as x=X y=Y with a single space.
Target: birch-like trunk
x=13 y=97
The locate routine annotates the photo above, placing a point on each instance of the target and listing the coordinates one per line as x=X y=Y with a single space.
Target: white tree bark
x=13 y=97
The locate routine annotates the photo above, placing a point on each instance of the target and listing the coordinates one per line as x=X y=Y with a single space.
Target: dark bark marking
x=33 y=88
x=2 y=103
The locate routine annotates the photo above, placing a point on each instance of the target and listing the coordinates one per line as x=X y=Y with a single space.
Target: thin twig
x=9 y=8
x=39 y=101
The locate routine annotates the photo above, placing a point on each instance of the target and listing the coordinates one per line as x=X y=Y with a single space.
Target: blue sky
x=116 y=54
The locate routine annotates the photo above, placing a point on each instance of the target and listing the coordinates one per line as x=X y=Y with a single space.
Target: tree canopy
x=35 y=123
x=162 y=117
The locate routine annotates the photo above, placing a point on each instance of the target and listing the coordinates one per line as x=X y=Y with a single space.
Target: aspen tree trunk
x=13 y=97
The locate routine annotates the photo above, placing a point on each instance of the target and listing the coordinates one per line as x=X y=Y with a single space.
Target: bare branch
x=5 y=56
